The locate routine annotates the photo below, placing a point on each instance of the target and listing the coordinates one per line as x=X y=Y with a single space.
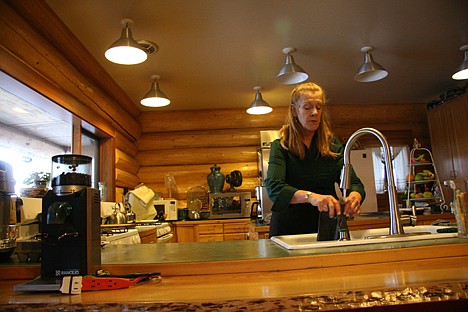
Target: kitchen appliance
x=263 y=213
x=229 y=205
x=117 y=217
x=234 y=179
x=163 y=231
x=119 y=236
x=167 y=208
x=197 y=203
x=363 y=165
x=7 y=188
x=7 y=232
x=70 y=226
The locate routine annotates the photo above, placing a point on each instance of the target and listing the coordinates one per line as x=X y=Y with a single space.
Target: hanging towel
x=141 y=202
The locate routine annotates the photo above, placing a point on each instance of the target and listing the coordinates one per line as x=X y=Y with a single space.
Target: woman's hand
x=353 y=204
x=325 y=203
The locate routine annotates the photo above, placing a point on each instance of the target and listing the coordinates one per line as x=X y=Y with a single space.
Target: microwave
x=229 y=205
x=168 y=207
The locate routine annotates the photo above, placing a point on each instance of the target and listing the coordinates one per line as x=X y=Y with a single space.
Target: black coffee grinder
x=70 y=226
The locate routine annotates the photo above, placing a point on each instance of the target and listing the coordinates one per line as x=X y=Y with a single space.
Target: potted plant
x=38 y=179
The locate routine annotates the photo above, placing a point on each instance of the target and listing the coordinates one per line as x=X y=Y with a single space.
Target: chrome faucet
x=396 y=227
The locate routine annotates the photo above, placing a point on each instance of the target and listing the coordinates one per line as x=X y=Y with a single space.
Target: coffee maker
x=70 y=225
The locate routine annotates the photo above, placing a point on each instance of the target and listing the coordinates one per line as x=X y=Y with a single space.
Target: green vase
x=215 y=179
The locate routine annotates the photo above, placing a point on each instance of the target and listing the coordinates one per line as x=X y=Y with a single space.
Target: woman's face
x=308 y=111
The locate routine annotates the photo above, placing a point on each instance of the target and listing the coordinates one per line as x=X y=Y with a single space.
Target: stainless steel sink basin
x=363 y=237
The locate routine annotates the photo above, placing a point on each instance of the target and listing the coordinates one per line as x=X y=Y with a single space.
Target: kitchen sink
x=364 y=237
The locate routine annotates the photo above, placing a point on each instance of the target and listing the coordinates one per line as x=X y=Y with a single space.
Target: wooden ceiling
x=213 y=52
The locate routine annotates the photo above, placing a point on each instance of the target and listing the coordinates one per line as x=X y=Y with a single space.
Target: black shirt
x=287 y=173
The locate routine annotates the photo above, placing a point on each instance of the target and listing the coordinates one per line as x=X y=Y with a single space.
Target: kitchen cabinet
x=211 y=230
x=236 y=231
x=208 y=232
x=448 y=125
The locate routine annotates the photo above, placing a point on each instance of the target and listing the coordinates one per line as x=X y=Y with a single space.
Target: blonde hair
x=291 y=132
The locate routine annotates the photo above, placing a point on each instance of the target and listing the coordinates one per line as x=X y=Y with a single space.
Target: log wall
x=37 y=49
x=187 y=143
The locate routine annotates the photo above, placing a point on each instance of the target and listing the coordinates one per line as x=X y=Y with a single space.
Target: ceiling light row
x=128 y=51
x=370 y=71
x=291 y=73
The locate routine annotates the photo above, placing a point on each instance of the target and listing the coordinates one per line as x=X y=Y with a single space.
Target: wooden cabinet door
x=185 y=233
x=236 y=231
x=235 y=236
x=448 y=127
x=241 y=227
x=441 y=141
x=212 y=228
x=210 y=238
x=458 y=118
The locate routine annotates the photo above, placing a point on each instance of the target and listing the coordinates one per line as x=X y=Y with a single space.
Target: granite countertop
x=447 y=296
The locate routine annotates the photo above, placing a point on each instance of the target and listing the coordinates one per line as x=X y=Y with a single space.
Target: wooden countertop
x=259 y=275
x=344 y=281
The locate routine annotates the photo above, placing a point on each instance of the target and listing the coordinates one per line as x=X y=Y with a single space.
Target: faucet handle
x=409 y=220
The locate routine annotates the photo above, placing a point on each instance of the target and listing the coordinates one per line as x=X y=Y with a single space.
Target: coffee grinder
x=70 y=226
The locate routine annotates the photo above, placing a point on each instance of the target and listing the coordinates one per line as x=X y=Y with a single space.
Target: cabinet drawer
x=148 y=236
x=210 y=229
x=235 y=227
x=235 y=236
x=211 y=238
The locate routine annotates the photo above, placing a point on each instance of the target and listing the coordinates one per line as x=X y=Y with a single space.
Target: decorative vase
x=215 y=179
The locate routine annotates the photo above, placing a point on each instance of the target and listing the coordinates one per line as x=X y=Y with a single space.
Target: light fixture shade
x=259 y=106
x=126 y=50
x=155 y=97
x=462 y=72
x=291 y=73
x=370 y=71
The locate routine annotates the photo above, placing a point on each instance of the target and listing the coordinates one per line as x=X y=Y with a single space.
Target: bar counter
x=262 y=276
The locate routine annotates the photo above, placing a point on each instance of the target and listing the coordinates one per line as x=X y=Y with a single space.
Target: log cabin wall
x=37 y=49
x=187 y=143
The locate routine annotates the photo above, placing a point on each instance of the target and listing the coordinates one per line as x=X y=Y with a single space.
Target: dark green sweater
x=287 y=173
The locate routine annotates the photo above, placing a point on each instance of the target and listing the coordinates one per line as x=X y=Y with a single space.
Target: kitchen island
x=260 y=275
x=263 y=276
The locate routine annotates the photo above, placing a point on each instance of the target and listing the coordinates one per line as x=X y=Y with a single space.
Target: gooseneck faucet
x=396 y=227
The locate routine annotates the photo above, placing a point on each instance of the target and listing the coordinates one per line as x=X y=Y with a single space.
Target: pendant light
x=291 y=73
x=370 y=71
x=155 y=97
x=462 y=72
x=259 y=106
x=128 y=51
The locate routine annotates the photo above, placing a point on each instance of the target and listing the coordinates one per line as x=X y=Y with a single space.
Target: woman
x=304 y=165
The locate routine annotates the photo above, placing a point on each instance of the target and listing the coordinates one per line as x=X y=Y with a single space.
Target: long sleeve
x=278 y=190
x=315 y=173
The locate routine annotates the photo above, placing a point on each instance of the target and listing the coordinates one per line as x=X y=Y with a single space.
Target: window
x=400 y=156
x=30 y=132
x=33 y=129
x=90 y=147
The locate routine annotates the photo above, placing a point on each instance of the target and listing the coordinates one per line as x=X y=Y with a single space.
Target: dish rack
x=423 y=184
